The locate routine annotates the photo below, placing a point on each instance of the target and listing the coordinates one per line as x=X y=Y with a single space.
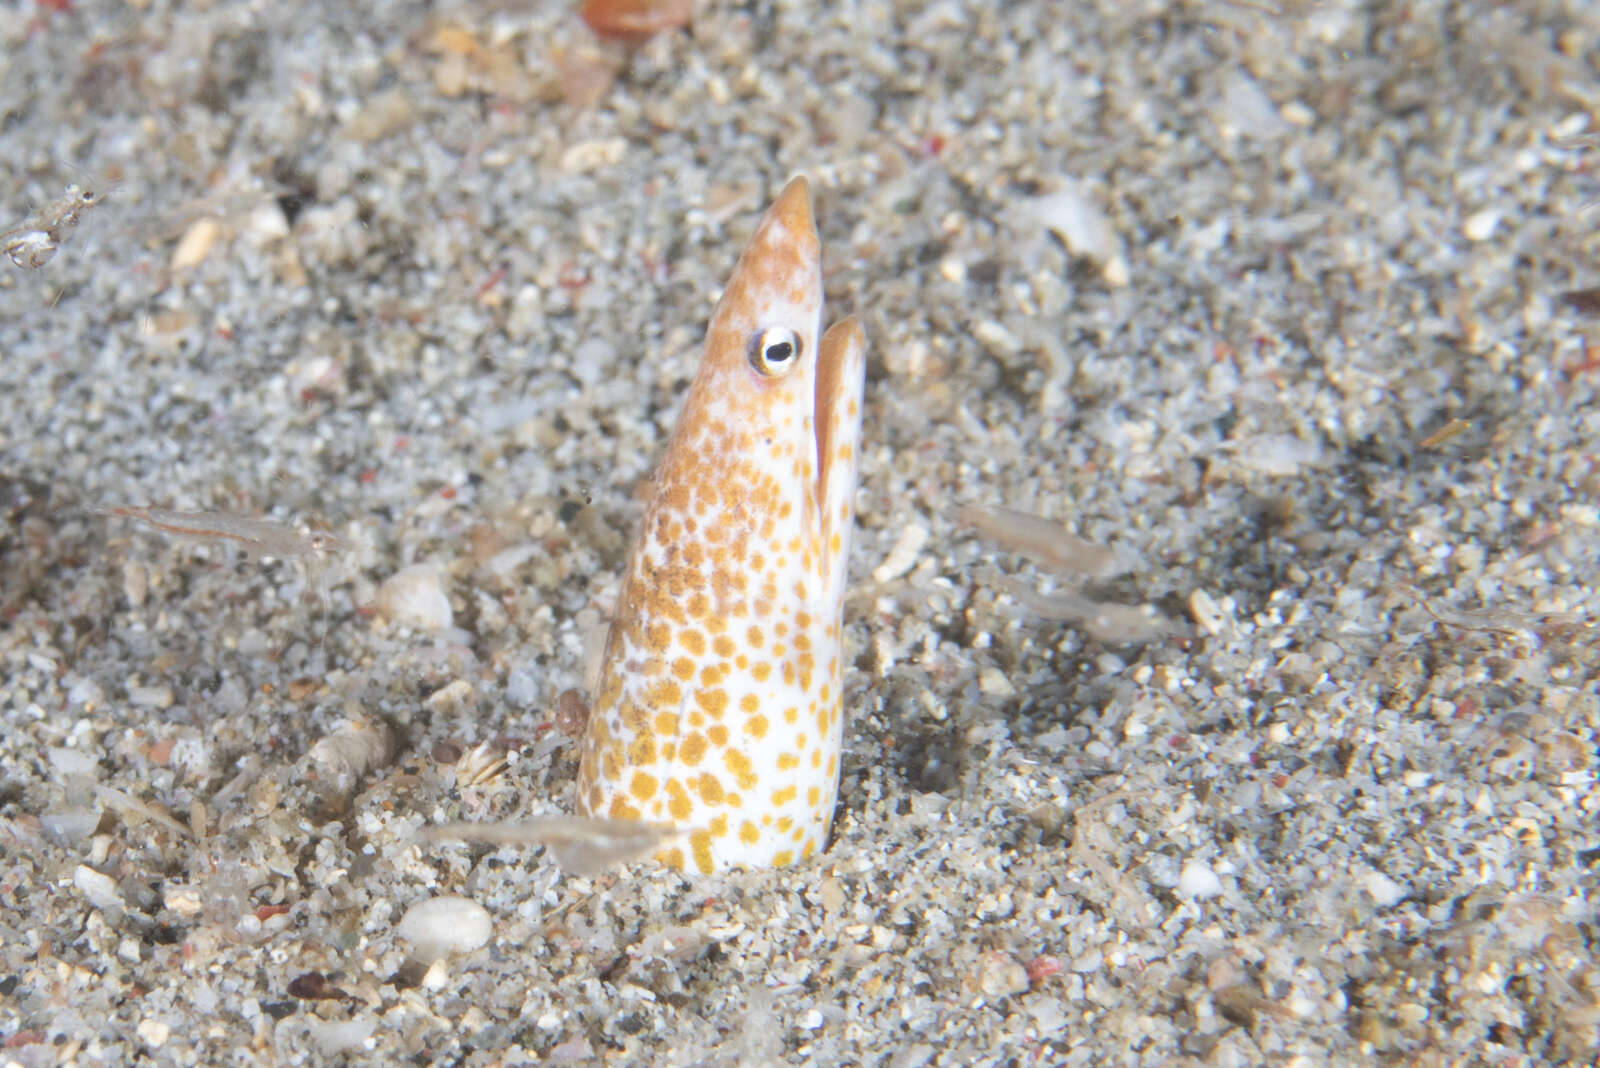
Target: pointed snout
x=787 y=235
x=793 y=207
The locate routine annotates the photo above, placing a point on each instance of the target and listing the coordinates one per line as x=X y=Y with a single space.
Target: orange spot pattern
x=718 y=707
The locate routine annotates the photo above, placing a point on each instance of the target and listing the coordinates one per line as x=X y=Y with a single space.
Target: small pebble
x=101 y=890
x=903 y=557
x=1384 y=890
x=572 y=713
x=576 y=1048
x=1198 y=881
x=154 y=1033
x=444 y=925
x=1481 y=225
x=74 y=763
x=634 y=20
x=160 y=697
x=183 y=899
x=1002 y=975
x=436 y=977
x=994 y=683
x=1203 y=607
x=341 y=1036
x=349 y=754
x=196 y=244
x=415 y=597
x=135 y=583
x=453 y=695
x=70 y=827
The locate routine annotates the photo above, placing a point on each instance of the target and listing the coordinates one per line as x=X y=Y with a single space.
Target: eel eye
x=775 y=351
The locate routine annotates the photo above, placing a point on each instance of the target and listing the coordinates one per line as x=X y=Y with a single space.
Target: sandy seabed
x=1266 y=299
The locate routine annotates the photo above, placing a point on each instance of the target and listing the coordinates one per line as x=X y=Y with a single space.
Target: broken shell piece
x=196 y=244
x=415 y=597
x=903 y=555
x=453 y=695
x=1206 y=612
x=445 y=925
x=351 y=753
x=1197 y=880
x=481 y=765
x=100 y=889
x=634 y=20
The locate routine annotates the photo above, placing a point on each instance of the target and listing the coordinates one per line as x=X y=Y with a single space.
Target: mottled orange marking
x=735 y=583
x=678 y=800
x=663 y=694
x=621 y=810
x=743 y=770
x=658 y=638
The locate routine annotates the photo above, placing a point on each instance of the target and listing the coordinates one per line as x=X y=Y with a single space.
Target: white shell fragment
x=1002 y=975
x=196 y=244
x=334 y=1037
x=903 y=557
x=445 y=925
x=1386 y=893
x=349 y=754
x=415 y=597
x=1481 y=225
x=1203 y=607
x=1198 y=881
x=99 y=889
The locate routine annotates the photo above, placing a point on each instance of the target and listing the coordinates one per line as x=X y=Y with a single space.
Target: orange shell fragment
x=635 y=20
